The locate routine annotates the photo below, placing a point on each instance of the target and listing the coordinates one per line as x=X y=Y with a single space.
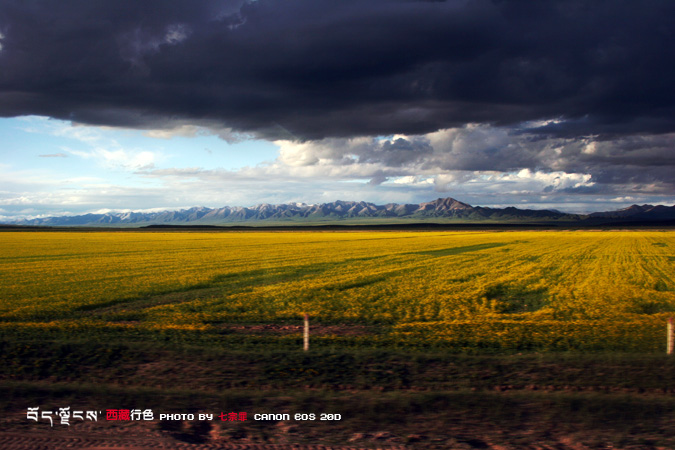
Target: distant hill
x=443 y=210
x=637 y=212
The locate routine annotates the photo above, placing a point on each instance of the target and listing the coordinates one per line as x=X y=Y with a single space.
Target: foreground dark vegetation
x=386 y=397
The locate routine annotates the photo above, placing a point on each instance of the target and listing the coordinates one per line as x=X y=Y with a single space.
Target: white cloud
x=626 y=199
x=413 y=181
x=590 y=148
x=298 y=154
x=181 y=131
x=86 y=134
x=99 y=144
x=553 y=180
x=199 y=128
x=176 y=33
x=119 y=159
x=127 y=160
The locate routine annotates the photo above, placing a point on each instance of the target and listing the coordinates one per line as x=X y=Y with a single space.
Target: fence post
x=670 y=336
x=306 y=334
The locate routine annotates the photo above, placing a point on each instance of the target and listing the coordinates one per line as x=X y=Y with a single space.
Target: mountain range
x=442 y=210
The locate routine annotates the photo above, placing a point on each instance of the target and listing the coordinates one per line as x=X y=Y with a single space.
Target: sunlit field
x=466 y=290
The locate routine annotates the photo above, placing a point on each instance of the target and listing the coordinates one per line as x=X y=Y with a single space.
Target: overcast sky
x=161 y=104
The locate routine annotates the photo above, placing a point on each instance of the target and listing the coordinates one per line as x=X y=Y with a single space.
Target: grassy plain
x=426 y=339
x=521 y=290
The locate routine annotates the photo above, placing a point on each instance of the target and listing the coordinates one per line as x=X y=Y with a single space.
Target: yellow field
x=428 y=285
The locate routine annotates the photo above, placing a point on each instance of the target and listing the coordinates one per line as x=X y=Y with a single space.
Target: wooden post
x=670 y=336
x=306 y=336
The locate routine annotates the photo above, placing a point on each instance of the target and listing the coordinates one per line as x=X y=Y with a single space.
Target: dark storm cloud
x=321 y=68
